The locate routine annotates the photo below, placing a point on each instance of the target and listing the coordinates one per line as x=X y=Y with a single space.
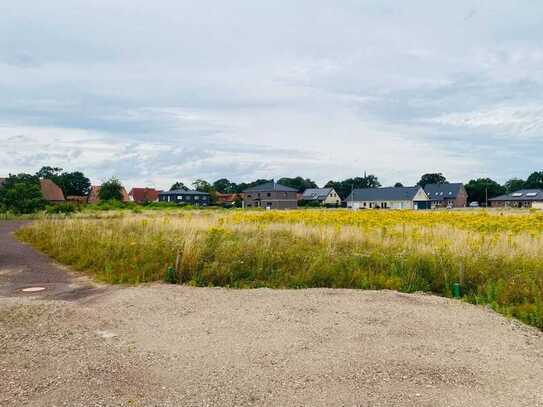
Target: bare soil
x=164 y=345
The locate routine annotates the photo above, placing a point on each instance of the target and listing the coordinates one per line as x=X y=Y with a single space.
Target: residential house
x=447 y=195
x=51 y=192
x=388 y=198
x=322 y=196
x=182 y=196
x=525 y=198
x=270 y=195
x=143 y=195
x=227 y=200
x=2 y=180
x=94 y=195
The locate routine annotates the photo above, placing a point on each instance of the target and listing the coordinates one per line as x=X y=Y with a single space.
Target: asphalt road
x=22 y=267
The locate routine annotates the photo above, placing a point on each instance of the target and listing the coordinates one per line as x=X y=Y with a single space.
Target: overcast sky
x=158 y=91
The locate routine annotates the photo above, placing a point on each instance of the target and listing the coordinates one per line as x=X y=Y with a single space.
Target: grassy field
x=496 y=257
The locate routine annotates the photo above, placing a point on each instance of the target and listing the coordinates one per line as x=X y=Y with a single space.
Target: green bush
x=65 y=208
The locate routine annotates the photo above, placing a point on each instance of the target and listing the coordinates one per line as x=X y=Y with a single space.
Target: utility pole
x=486 y=197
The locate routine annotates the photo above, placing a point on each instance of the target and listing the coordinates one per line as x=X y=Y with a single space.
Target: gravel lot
x=163 y=345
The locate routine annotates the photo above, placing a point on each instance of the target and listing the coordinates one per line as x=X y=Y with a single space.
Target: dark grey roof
x=384 y=194
x=270 y=186
x=437 y=192
x=182 y=192
x=522 y=195
x=313 y=194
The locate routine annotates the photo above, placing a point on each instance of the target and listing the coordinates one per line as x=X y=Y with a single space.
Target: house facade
x=525 y=198
x=388 y=198
x=143 y=195
x=187 y=197
x=447 y=195
x=324 y=196
x=270 y=195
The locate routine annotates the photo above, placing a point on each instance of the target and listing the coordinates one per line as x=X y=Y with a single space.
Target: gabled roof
x=438 y=192
x=384 y=194
x=51 y=192
x=226 y=197
x=182 y=192
x=270 y=187
x=143 y=194
x=314 y=194
x=522 y=195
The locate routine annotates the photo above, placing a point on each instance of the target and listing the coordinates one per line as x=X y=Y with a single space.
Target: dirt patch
x=172 y=345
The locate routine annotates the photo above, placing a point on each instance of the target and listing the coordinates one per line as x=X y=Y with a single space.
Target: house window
x=268 y=194
x=179 y=197
x=248 y=196
x=196 y=197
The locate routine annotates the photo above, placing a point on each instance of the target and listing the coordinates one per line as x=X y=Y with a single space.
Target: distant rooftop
x=438 y=192
x=384 y=194
x=270 y=186
x=183 y=192
x=311 y=194
x=522 y=195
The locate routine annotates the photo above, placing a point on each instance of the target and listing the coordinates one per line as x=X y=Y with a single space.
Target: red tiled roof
x=51 y=192
x=224 y=198
x=141 y=195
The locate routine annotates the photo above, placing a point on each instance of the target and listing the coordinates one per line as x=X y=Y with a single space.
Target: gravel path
x=163 y=345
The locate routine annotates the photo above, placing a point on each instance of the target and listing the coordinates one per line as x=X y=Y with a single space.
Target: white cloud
x=509 y=121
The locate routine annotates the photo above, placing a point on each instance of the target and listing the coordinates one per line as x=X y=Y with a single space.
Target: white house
x=324 y=196
x=389 y=198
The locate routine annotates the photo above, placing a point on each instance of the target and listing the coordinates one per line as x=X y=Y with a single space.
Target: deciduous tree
x=479 y=189
x=22 y=194
x=535 y=180
x=112 y=189
x=432 y=178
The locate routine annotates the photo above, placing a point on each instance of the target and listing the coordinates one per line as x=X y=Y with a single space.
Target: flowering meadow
x=496 y=257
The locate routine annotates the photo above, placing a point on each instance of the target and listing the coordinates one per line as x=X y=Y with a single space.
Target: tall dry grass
x=501 y=265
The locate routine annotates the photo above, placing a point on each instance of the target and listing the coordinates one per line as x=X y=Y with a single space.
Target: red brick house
x=447 y=195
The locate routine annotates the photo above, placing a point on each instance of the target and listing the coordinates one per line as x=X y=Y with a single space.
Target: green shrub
x=65 y=208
